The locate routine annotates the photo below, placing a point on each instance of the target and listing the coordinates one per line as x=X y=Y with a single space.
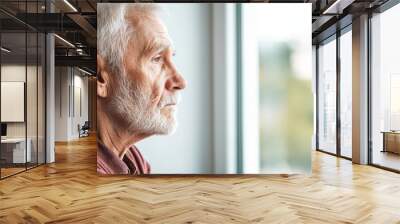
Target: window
x=277 y=94
x=385 y=89
x=327 y=96
x=346 y=93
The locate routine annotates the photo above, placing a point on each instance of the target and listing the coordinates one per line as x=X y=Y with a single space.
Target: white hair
x=114 y=32
x=129 y=103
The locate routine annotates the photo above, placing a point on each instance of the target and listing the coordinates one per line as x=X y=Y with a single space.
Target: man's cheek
x=157 y=72
x=156 y=93
x=154 y=82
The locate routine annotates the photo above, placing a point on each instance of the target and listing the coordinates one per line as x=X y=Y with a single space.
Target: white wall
x=66 y=121
x=61 y=104
x=190 y=149
x=80 y=83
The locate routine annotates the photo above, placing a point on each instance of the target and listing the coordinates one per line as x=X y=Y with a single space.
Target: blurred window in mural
x=277 y=63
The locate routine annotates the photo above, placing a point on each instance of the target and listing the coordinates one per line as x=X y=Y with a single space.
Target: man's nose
x=175 y=82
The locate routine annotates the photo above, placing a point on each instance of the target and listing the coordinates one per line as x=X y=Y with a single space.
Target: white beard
x=131 y=105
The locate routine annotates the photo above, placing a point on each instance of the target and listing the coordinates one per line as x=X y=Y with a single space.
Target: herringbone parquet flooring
x=69 y=191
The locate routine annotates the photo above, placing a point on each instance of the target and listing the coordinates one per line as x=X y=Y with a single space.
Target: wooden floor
x=69 y=191
x=387 y=159
x=5 y=172
x=10 y=171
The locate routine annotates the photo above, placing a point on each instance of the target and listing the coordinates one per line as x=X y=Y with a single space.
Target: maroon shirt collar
x=132 y=162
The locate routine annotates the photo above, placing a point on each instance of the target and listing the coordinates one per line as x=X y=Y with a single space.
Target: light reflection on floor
x=386 y=159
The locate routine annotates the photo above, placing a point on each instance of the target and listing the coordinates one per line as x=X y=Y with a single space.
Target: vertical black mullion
x=1 y=166
x=45 y=94
x=73 y=91
x=369 y=89
x=89 y=89
x=37 y=88
x=317 y=96
x=60 y=86
x=69 y=92
x=338 y=118
x=45 y=86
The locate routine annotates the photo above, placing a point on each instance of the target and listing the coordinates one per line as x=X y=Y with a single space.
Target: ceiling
x=332 y=15
x=74 y=21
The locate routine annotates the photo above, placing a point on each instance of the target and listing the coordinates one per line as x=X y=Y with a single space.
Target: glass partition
x=22 y=89
x=327 y=96
x=14 y=153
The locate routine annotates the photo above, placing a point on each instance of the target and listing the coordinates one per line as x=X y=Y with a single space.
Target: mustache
x=170 y=100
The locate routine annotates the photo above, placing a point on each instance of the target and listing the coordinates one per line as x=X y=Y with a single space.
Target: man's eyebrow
x=157 y=45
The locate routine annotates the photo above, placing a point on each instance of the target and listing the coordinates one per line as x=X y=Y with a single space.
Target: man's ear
x=103 y=78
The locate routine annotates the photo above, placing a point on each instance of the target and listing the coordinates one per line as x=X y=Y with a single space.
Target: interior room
x=300 y=122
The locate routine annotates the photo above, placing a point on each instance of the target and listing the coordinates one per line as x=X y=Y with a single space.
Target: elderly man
x=137 y=85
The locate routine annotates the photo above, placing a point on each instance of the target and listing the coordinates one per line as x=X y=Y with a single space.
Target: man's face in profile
x=146 y=97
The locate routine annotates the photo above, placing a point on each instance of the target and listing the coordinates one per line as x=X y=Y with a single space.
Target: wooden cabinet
x=391 y=142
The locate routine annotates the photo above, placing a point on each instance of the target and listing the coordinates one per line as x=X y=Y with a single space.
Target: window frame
x=334 y=37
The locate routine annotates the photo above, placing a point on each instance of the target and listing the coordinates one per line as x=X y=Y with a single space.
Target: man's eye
x=157 y=59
